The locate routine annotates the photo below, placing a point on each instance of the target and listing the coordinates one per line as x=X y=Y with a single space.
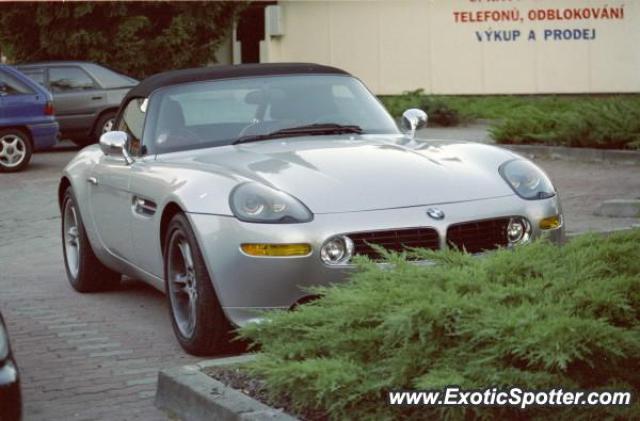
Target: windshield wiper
x=310 y=129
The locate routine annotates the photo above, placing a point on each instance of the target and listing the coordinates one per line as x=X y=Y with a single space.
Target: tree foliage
x=137 y=38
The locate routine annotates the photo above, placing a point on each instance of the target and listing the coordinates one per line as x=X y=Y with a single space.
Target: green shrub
x=606 y=123
x=611 y=122
x=397 y=104
x=490 y=107
x=439 y=112
x=539 y=317
x=498 y=107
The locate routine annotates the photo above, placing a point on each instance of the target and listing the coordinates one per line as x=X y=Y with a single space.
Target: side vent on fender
x=144 y=207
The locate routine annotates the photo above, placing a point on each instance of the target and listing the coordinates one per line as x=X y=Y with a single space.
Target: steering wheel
x=261 y=127
x=178 y=137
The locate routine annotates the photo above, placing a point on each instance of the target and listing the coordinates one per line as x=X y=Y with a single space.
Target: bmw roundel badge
x=435 y=213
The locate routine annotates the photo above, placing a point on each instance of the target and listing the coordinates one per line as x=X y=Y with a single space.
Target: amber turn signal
x=550 y=223
x=276 y=250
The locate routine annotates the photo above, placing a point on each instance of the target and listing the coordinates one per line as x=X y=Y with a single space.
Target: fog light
x=337 y=250
x=518 y=231
x=276 y=250
x=551 y=222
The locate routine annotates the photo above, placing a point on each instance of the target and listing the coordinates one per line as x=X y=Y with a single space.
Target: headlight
x=337 y=250
x=4 y=344
x=527 y=180
x=518 y=231
x=255 y=202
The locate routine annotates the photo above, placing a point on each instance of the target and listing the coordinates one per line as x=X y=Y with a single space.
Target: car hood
x=356 y=173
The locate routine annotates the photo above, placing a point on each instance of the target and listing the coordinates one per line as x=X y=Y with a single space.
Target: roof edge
x=220 y=72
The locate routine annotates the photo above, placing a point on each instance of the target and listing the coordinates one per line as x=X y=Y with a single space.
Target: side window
x=10 y=85
x=37 y=75
x=132 y=122
x=69 y=79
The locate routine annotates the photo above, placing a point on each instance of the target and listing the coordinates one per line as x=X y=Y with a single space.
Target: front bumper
x=247 y=285
x=10 y=396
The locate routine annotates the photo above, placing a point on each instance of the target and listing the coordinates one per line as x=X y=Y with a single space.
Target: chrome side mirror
x=412 y=120
x=116 y=144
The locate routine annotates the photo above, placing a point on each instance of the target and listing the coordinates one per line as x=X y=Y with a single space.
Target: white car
x=233 y=188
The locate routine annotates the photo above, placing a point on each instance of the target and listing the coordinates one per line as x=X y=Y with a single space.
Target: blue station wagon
x=27 y=121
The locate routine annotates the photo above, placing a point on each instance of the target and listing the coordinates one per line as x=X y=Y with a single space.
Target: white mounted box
x=273 y=21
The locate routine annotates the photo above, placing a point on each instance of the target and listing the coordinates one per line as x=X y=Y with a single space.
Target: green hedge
x=440 y=113
x=606 y=123
x=539 y=317
x=611 y=122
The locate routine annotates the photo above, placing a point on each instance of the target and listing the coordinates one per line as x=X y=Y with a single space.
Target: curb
x=576 y=154
x=193 y=396
x=571 y=235
x=619 y=208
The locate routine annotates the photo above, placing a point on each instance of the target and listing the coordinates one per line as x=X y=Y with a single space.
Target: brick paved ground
x=96 y=356
x=92 y=356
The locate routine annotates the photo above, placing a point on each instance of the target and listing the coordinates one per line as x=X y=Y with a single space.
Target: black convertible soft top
x=174 y=77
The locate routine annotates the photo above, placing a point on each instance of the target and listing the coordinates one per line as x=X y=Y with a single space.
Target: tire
x=82 y=142
x=84 y=271
x=104 y=124
x=15 y=150
x=100 y=125
x=196 y=315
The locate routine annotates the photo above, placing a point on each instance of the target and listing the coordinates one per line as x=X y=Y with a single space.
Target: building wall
x=442 y=47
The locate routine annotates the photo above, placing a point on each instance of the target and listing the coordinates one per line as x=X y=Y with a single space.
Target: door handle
x=96 y=98
x=92 y=180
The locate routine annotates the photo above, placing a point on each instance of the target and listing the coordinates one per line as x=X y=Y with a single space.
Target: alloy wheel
x=107 y=126
x=71 y=238
x=13 y=150
x=182 y=284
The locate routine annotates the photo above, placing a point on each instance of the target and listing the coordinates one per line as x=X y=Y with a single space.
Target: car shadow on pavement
x=135 y=285
x=62 y=146
x=146 y=296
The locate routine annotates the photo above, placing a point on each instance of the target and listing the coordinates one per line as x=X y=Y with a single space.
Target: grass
x=539 y=317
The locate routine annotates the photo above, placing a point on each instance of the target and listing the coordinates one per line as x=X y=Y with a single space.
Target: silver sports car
x=234 y=188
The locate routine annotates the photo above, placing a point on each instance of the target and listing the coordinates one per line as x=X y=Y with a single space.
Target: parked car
x=235 y=188
x=27 y=123
x=86 y=96
x=10 y=395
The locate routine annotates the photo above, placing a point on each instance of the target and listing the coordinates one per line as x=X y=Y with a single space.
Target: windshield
x=217 y=113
